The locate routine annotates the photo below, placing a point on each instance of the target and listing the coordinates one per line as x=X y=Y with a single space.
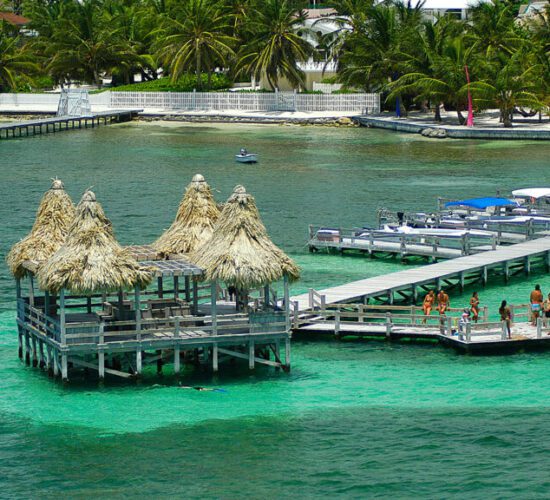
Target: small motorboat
x=245 y=157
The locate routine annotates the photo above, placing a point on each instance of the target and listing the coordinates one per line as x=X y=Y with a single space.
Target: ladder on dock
x=405 y=285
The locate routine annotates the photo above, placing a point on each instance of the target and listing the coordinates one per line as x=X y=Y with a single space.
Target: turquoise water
x=352 y=419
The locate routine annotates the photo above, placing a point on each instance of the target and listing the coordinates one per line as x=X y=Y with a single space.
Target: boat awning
x=532 y=192
x=482 y=203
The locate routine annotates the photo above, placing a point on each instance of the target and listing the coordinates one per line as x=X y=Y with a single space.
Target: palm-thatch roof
x=240 y=252
x=53 y=218
x=91 y=259
x=194 y=222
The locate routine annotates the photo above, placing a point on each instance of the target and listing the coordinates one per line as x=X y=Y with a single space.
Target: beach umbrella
x=53 y=218
x=194 y=222
x=240 y=252
x=91 y=260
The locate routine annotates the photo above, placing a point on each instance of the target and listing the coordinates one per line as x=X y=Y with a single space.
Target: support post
x=176 y=287
x=62 y=316
x=539 y=328
x=388 y=325
x=64 y=367
x=160 y=287
x=468 y=332
x=461 y=282
x=139 y=362
x=31 y=290
x=287 y=353
x=527 y=265
x=337 y=325
x=187 y=290
x=195 y=297
x=101 y=364
x=287 y=303
x=484 y=275
x=251 y=355
x=213 y=313
x=137 y=308
x=215 y=358
x=55 y=359
x=176 y=359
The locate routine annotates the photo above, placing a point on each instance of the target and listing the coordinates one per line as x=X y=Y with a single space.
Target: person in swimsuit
x=506 y=315
x=428 y=303
x=546 y=307
x=536 y=300
x=474 y=306
x=443 y=302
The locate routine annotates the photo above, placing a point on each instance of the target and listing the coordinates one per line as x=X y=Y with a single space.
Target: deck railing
x=367 y=239
x=151 y=329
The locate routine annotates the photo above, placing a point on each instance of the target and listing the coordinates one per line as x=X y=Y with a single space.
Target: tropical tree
x=196 y=40
x=437 y=72
x=15 y=60
x=511 y=82
x=86 y=43
x=276 y=45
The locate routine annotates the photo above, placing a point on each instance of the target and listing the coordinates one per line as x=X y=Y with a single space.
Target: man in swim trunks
x=443 y=302
x=536 y=300
x=428 y=303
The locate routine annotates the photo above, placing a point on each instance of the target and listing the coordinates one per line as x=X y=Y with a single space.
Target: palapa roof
x=53 y=218
x=194 y=222
x=91 y=259
x=240 y=252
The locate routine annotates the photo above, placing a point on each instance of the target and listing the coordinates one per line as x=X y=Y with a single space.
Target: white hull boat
x=247 y=158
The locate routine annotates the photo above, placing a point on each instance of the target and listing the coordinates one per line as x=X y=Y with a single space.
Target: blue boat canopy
x=482 y=203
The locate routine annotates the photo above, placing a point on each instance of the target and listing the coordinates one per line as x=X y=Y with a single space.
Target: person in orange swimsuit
x=428 y=303
x=474 y=306
x=443 y=302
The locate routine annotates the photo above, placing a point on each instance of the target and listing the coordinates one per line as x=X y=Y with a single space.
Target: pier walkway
x=404 y=285
x=409 y=322
x=40 y=126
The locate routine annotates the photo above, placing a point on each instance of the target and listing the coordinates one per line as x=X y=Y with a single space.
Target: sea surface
x=353 y=419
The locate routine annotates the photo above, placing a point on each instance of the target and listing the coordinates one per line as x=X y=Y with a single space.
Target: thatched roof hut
x=194 y=222
x=53 y=218
x=240 y=252
x=91 y=259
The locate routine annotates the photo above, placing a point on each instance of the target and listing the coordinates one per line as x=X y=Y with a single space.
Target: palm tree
x=86 y=43
x=196 y=40
x=511 y=81
x=15 y=60
x=436 y=72
x=276 y=46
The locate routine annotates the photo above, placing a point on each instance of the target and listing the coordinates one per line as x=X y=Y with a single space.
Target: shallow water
x=352 y=419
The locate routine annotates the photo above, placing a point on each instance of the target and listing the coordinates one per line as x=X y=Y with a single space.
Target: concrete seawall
x=456 y=132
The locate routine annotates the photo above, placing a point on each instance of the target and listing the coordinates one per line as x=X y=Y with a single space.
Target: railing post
x=539 y=328
x=388 y=325
x=337 y=320
x=310 y=296
x=468 y=332
x=504 y=328
x=62 y=327
x=493 y=242
x=295 y=314
x=485 y=314
x=449 y=326
x=323 y=302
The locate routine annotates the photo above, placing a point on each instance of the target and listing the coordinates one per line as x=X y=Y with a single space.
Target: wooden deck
x=13 y=130
x=504 y=261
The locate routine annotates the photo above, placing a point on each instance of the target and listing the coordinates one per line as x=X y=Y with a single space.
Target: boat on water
x=245 y=157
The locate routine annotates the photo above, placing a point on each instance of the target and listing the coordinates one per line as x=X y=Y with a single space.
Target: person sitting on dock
x=427 y=305
x=506 y=315
x=536 y=300
x=474 y=305
x=464 y=320
x=443 y=302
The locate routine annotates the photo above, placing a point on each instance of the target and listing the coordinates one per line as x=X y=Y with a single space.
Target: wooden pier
x=371 y=241
x=55 y=124
x=402 y=322
x=407 y=284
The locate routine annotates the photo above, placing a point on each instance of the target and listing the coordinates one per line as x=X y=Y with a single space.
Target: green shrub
x=185 y=84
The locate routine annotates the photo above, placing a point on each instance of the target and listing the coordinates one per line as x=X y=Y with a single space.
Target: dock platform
x=405 y=285
x=12 y=130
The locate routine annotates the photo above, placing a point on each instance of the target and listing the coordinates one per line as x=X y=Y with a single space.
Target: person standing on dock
x=536 y=300
x=474 y=306
x=427 y=305
x=443 y=302
x=546 y=307
x=506 y=315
